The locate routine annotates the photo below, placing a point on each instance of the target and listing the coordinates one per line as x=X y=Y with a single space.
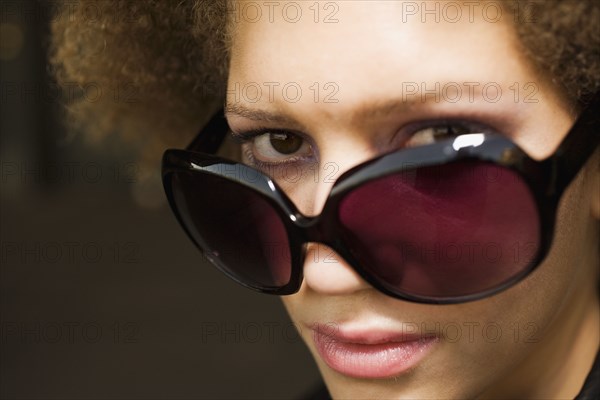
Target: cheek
x=566 y=270
x=300 y=311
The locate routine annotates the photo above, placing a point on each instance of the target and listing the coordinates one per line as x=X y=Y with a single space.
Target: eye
x=435 y=132
x=273 y=147
x=282 y=143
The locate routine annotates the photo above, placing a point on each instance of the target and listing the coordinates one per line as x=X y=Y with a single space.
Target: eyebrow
x=420 y=99
x=373 y=109
x=256 y=114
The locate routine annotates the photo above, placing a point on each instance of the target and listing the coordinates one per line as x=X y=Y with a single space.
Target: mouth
x=370 y=353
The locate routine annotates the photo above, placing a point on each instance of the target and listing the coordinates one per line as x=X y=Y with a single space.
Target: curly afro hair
x=165 y=63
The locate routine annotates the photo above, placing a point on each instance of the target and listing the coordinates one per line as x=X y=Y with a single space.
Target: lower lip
x=382 y=360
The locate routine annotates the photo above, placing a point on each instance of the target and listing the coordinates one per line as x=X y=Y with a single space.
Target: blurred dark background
x=101 y=293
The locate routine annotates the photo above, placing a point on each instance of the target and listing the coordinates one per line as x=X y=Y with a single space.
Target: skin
x=549 y=321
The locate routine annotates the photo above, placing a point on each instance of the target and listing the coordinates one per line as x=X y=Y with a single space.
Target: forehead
x=373 y=52
x=412 y=41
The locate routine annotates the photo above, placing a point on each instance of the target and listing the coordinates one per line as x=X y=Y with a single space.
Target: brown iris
x=285 y=143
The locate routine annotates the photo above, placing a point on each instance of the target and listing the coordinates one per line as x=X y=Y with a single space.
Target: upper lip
x=374 y=336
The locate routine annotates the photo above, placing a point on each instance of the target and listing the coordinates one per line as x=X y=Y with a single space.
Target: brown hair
x=165 y=63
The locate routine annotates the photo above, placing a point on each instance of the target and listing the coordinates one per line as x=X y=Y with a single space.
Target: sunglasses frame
x=546 y=179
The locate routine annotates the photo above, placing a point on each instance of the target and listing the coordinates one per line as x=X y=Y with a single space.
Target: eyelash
x=244 y=137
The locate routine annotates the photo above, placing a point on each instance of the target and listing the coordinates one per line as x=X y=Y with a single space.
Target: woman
x=436 y=271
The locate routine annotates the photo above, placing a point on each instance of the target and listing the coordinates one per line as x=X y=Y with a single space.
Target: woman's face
x=356 y=79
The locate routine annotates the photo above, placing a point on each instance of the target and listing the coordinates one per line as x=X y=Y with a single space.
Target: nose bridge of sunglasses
x=315 y=229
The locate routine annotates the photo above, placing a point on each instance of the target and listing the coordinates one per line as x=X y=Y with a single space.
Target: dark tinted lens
x=237 y=227
x=452 y=230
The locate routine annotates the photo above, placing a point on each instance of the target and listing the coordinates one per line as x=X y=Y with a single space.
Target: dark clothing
x=589 y=391
x=591 y=387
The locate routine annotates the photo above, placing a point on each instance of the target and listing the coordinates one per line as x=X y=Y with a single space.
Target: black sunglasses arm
x=212 y=135
x=578 y=145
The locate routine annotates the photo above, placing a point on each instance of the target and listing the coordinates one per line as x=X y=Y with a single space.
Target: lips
x=370 y=354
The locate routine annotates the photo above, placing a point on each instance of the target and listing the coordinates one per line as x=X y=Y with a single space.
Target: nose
x=326 y=272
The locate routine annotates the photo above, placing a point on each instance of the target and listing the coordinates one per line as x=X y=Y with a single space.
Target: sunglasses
x=449 y=222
